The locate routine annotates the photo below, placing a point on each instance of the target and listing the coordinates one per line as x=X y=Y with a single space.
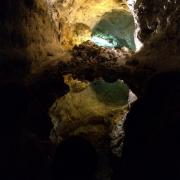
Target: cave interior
x=89 y=89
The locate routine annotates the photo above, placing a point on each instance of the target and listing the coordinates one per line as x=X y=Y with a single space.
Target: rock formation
x=26 y=31
x=42 y=41
x=89 y=111
x=75 y=19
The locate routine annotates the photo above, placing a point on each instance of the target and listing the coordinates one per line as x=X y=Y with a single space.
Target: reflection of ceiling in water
x=103 y=41
x=88 y=108
x=115 y=29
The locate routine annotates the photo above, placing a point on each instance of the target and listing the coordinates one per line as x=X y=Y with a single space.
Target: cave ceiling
x=117 y=27
x=75 y=20
x=27 y=33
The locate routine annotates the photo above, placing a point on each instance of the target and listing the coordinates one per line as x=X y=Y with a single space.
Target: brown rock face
x=159 y=30
x=26 y=30
x=74 y=20
x=151 y=145
x=34 y=34
x=38 y=30
x=156 y=16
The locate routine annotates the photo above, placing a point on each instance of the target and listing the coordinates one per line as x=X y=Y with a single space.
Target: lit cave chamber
x=89 y=89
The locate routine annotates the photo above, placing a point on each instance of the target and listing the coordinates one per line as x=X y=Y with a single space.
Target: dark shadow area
x=13 y=68
x=26 y=150
x=152 y=137
x=75 y=158
x=11 y=13
x=19 y=156
x=44 y=90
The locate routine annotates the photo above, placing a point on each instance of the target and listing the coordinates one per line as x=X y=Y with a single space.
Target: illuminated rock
x=69 y=16
x=89 y=111
x=115 y=29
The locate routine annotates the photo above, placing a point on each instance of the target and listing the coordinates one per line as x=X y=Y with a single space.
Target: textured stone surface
x=26 y=31
x=119 y=25
x=160 y=32
x=89 y=61
x=151 y=144
x=28 y=35
x=156 y=17
x=91 y=110
x=69 y=16
x=87 y=111
x=160 y=51
x=37 y=30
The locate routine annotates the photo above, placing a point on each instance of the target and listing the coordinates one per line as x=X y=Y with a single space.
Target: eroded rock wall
x=74 y=19
x=151 y=145
x=159 y=30
x=156 y=17
x=88 y=110
x=38 y=30
x=26 y=31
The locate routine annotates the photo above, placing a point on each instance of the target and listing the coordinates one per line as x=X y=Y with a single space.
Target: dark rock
x=151 y=144
x=75 y=158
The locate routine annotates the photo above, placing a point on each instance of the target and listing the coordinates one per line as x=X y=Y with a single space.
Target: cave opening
x=95 y=109
x=115 y=30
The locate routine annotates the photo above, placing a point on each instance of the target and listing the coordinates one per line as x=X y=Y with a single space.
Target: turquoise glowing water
x=104 y=40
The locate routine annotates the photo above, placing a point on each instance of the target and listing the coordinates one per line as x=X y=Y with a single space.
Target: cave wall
x=75 y=19
x=159 y=32
x=156 y=17
x=151 y=144
x=41 y=30
x=88 y=110
x=26 y=31
x=118 y=27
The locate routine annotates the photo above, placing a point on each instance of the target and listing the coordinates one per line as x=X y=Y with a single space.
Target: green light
x=115 y=30
x=104 y=40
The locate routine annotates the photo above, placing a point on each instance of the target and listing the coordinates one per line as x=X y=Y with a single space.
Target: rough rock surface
x=155 y=19
x=89 y=110
x=89 y=61
x=159 y=26
x=75 y=19
x=28 y=36
x=117 y=26
x=26 y=31
x=151 y=144
x=160 y=52
x=36 y=31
